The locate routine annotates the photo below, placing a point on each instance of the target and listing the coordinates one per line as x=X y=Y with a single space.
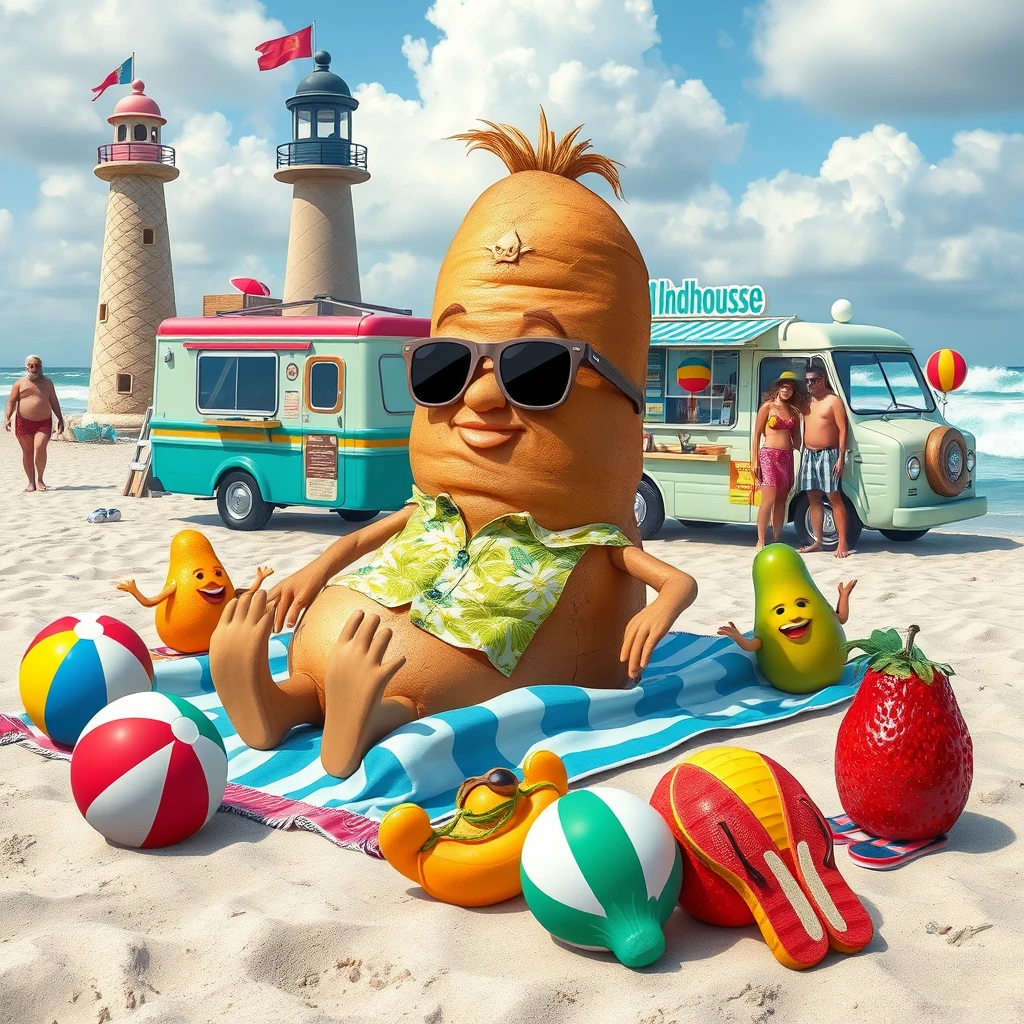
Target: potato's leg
x=356 y=714
x=261 y=711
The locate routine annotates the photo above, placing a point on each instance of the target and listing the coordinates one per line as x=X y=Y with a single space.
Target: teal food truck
x=268 y=410
x=715 y=351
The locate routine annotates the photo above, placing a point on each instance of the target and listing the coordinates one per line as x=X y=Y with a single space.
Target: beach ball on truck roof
x=149 y=770
x=76 y=666
x=946 y=370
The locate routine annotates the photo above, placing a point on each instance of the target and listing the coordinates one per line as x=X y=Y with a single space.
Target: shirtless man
x=824 y=456
x=33 y=404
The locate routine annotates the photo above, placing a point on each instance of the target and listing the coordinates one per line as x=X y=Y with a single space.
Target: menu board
x=655 y=373
x=290 y=410
x=320 y=458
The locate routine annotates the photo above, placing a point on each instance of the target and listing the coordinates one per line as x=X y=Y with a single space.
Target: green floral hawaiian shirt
x=490 y=592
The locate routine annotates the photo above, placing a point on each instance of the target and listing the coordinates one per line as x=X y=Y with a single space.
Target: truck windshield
x=883 y=382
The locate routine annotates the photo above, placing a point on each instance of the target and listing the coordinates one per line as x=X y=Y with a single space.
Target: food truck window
x=693 y=387
x=324 y=384
x=394 y=388
x=773 y=367
x=240 y=384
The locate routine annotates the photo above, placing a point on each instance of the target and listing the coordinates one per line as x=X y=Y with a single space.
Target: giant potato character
x=517 y=561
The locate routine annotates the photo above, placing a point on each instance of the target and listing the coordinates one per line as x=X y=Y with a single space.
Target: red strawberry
x=904 y=758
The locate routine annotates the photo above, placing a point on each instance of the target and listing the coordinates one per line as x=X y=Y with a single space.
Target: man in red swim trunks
x=33 y=404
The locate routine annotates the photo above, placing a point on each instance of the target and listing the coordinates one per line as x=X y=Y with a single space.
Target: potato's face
x=541 y=256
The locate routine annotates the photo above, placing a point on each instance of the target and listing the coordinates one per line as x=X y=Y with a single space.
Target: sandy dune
x=245 y=923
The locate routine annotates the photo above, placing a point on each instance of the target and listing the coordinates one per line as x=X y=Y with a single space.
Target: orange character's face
x=540 y=256
x=210 y=584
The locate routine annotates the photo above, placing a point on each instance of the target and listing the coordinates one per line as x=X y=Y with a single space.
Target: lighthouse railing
x=147 y=152
x=330 y=152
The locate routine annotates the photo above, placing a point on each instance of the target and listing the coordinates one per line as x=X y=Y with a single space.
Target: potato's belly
x=572 y=646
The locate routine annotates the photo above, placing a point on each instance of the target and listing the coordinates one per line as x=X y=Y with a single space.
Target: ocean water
x=990 y=405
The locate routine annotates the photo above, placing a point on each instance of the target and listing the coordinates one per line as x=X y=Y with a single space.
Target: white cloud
x=884 y=57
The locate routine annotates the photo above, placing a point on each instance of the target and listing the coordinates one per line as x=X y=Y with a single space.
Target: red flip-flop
x=726 y=837
x=811 y=846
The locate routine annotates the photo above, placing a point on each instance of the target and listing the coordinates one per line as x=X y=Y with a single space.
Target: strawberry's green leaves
x=884 y=652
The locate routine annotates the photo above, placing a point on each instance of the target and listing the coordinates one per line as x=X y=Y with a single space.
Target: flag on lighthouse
x=275 y=52
x=119 y=76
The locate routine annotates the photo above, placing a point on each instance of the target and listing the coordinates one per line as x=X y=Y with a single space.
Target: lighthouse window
x=124 y=383
x=122 y=132
x=326 y=123
x=103 y=313
x=154 y=134
x=303 y=123
x=148 y=236
x=139 y=133
x=237 y=384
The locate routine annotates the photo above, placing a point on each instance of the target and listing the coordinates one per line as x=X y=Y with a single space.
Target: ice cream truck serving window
x=243 y=383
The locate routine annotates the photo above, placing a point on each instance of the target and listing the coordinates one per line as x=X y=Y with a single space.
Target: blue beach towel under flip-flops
x=693 y=685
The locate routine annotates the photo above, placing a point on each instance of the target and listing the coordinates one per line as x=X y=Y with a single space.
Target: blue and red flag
x=119 y=76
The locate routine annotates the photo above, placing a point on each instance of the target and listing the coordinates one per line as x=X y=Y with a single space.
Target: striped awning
x=710 y=332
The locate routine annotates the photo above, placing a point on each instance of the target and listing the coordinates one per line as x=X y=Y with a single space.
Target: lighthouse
x=136 y=284
x=321 y=163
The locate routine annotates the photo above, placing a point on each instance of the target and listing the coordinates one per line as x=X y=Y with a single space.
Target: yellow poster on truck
x=743 y=488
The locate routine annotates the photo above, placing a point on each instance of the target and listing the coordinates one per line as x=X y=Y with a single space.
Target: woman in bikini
x=778 y=421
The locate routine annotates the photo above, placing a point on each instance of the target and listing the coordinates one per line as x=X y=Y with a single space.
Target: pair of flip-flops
x=798 y=898
x=104 y=515
x=867 y=851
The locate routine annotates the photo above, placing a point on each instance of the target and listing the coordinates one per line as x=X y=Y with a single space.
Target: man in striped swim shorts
x=823 y=458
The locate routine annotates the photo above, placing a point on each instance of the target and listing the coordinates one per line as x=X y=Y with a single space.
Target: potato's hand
x=292 y=596
x=643 y=633
x=731 y=632
x=262 y=574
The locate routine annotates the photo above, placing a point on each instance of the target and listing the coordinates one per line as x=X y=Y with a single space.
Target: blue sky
x=871 y=151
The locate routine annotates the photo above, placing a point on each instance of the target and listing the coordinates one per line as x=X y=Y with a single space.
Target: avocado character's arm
x=843 y=607
x=128 y=586
x=738 y=638
x=676 y=589
x=261 y=575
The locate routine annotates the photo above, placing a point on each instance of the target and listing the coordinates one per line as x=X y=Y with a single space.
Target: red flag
x=275 y=52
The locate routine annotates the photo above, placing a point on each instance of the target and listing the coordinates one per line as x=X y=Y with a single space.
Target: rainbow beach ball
x=693 y=374
x=149 y=770
x=75 y=667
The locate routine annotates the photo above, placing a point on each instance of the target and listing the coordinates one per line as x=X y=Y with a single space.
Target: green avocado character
x=798 y=638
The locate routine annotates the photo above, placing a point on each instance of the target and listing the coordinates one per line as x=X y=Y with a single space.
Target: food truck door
x=323 y=401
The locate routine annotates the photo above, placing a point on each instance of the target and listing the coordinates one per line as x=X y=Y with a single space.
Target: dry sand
x=246 y=923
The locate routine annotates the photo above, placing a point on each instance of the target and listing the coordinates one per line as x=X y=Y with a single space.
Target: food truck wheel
x=830 y=536
x=903 y=536
x=354 y=515
x=648 y=509
x=240 y=503
x=945 y=461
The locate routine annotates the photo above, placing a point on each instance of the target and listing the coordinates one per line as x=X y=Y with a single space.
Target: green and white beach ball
x=601 y=870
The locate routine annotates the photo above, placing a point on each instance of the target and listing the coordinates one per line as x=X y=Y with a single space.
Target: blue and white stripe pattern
x=710 y=332
x=694 y=684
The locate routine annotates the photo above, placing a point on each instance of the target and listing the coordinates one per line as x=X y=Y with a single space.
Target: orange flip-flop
x=810 y=843
x=725 y=835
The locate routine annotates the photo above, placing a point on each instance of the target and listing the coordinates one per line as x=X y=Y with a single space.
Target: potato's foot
x=356 y=715
x=260 y=712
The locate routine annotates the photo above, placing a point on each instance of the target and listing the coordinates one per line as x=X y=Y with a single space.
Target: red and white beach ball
x=149 y=770
x=77 y=665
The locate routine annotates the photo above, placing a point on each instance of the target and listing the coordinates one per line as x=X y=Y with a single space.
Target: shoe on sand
x=99 y=516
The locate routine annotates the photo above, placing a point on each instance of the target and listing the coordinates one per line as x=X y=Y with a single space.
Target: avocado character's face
x=210 y=584
x=793 y=619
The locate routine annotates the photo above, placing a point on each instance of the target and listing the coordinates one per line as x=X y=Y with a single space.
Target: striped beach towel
x=693 y=685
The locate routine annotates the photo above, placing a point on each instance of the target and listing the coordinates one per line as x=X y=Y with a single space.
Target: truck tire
x=353 y=515
x=830 y=538
x=240 y=503
x=649 y=510
x=903 y=536
x=945 y=461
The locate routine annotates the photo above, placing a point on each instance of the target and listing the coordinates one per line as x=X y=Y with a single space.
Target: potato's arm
x=753 y=644
x=261 y=575
x=676 y=589
x=147 y=602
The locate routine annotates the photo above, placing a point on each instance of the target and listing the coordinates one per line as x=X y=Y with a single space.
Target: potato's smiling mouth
x=213 y=595
x=795 y=630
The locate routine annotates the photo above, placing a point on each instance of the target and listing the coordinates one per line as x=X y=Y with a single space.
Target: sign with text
x=743 y=489
x=321 y=466
x=690 y=299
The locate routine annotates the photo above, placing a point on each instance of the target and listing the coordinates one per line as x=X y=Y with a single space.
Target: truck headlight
x=913 y=467
x=970 y=462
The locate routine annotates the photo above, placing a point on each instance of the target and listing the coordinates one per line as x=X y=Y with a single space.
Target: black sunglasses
x=500 y=780
x=532 y=373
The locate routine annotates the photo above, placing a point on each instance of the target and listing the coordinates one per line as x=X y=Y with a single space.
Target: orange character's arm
x=128 y=586
x=676 y=589
x=261 y=575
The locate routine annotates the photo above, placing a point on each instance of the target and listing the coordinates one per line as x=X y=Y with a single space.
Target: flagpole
x=134 y=75
x=313 y=55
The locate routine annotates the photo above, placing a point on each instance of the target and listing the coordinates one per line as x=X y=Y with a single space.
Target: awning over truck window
x=710 y=332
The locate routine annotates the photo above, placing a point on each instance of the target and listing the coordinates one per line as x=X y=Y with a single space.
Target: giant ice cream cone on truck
x=517 y=560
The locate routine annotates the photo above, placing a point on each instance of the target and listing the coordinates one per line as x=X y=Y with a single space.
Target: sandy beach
x=247 y=923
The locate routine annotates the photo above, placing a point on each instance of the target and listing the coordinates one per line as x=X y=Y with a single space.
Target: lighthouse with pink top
x=136 y=283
